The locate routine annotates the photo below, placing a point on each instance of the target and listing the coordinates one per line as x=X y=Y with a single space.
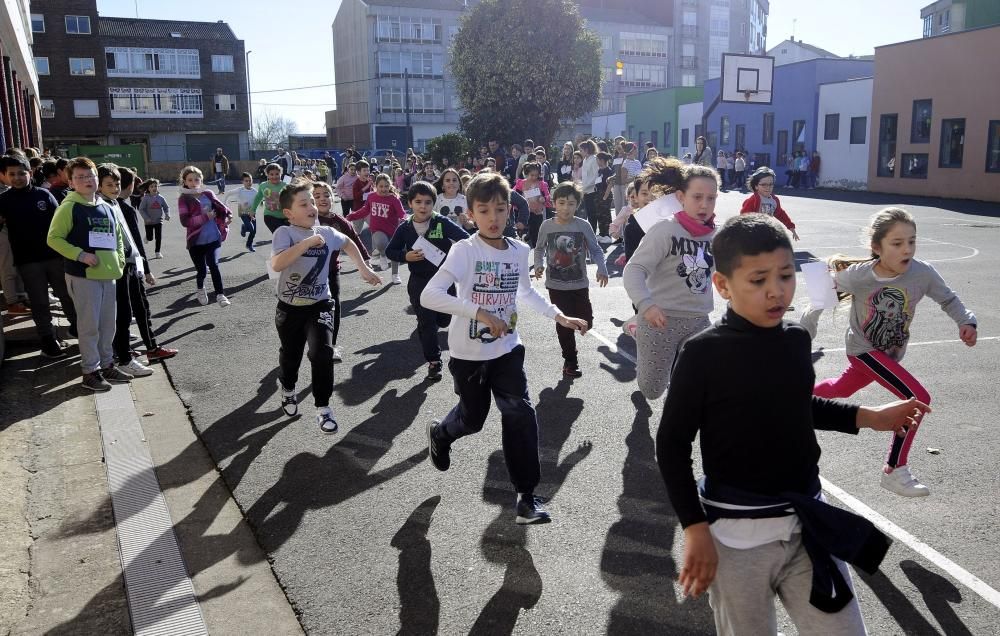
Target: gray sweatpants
x=746 y=582
x=12 y=288
x=96 y=309
x=656 y=349
x=379 y=242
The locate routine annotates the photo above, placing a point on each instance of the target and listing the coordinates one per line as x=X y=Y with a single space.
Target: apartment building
x=19 y=116
x=952 y=16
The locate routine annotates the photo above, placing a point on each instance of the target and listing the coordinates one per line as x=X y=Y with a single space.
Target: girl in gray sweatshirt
x=669 y=278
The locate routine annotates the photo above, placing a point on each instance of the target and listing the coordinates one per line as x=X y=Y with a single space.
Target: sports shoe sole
x=532 y=521
x=430 y=445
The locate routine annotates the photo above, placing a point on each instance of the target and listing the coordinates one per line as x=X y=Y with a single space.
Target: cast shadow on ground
x=419 y=607
x=394 y=360
x=52 y=383
x=620 y=369
x=938 y=593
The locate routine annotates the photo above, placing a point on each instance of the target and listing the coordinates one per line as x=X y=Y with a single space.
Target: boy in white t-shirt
x=490 y=272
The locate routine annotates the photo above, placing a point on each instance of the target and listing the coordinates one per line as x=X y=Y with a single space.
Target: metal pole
x=406 y=105
x=249 y=103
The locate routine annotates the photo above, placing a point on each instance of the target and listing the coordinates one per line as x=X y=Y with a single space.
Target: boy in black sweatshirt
x=409 y=245
x=771 y=532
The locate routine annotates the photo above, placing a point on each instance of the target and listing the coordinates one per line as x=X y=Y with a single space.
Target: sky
x=295 y=48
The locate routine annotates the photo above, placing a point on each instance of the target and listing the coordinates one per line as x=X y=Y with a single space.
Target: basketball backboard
x=747 y=79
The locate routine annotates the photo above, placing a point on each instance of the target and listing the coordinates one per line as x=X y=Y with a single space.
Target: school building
x=19 y=116
x=770 y=133
x=845 y=110
x=935 y=124
x=654 y=117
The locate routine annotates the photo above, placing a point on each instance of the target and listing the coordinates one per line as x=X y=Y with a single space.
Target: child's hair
x=128 y=176
x=629 y=190
x=272 y=166
x=107 y=170
x=81 y=163
x=439 y=184
x=880 y=224
x=287 y=196
x=49 y=168
x=567 y=189
x=531 y=166
x=603 y=156
x=193 y=170
x=322 y=185
x=465 y=179
x=382 y=176
x=362 y=165
x=150 y=182
x=663 y=175
x=697 y=172
x=589 y=146
x=758 y=176
x=486 y=187
x=747 y=235
x=352 y=165
x=11 y=162
x=246 y=175
x=424 y=188
x=577 y=155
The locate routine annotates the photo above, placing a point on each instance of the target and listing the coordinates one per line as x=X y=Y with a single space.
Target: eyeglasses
x=85 y=177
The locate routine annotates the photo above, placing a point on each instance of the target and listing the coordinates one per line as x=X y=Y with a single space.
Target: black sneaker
x=326 y=422
x=72 y=331
x=114 y=375
x=289 y=403
x=434 y=370
x=572 y=371
x=529 y=510
x=439 y=452
x=52 y=350
x=96 y=382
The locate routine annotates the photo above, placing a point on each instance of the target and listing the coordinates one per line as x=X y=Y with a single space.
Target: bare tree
x=271 y=130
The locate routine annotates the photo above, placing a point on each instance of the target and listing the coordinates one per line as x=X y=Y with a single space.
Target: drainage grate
x=161 y=597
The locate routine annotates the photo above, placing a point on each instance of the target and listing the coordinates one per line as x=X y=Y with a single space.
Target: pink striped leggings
x=875 y=366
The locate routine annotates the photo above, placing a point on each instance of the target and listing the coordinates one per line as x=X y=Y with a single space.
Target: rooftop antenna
x=794 y=20
x=137 y=8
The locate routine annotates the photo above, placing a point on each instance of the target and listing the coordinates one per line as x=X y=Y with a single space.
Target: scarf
x=694 y=226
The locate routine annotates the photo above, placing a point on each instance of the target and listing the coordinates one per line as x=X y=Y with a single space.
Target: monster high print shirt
x=883 y=308
x=673 y=270
x=307 y=280
x=486 y=278
x=562 y=249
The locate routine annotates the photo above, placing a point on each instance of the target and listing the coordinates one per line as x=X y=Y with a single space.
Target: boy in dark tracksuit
x=439 y=231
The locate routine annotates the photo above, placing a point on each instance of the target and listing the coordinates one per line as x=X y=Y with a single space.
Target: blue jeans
x=249 y=228
x=220 y=180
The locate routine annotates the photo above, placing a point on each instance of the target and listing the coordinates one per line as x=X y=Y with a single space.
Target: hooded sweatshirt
x=81 y=226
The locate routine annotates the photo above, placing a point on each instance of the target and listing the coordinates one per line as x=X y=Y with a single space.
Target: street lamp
x=249 y=103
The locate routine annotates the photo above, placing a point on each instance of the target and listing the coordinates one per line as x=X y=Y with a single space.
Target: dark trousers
x=535 y=222
x=249 y=228
x=345 y=206
x=590 y=207
x=428 y=320
x=335 y=294
x=36 y=278
x=574 y=303
x=220 y=181
x=155 y=231
x=602 y=212
x=206 y=259
x=297 y=326
x=273 y=222
x=130 y=294
x=504 y=377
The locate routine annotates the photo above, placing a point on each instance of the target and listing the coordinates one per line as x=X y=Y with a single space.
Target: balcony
x=689 y=31
x=689 y=62
x=689 y=3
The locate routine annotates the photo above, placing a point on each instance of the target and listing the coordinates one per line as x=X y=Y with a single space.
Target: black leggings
x=206 y=257
x=345 y=206
x=130 y=294
x=297 y=326
x=273 y=222
x=155 y=230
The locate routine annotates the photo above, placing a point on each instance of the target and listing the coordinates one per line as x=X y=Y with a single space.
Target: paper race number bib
x=102 y=240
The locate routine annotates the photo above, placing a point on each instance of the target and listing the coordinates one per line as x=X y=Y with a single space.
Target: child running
x=385 y=212
x=440 y=232
x=491 y=273
x=669 y=276
x=885 y=290
x=763 y=199
x=244 y=198
x=761 y=527
x=154 y=211
x=563 y=243
x=301 y=254
x=269 y=194
x=451 y=198
x=323 y=195
x=207 y=221
x=536 y=193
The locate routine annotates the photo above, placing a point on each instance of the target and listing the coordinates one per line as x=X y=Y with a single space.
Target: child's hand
x=655 y=317
x=497 y=327
x=602 y=280
x=700 y=560
x=795 y=235
x=577 y=324
x=414 y=255
x=621 y=261
x=150 y=279
x=370 y=277
x=968 y=334
x=316 y=240
x=539 y=273
x=519 y=226
x=88 y=259
x=893 y=416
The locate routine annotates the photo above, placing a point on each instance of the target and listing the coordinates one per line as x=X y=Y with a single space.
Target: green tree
x=448 y=148
x=522 y=65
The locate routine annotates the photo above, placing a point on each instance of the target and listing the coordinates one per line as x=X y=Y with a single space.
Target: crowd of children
x=456 y=229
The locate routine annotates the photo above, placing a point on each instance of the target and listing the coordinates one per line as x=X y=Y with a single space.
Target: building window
x=78 y=24
x=685 y=137
x=724 y=129
x=928 y=26
x=993 y=146
x=225 y=102
x=799 y=134
x=222 y=64
x=886 y=166
x=419 y=64
x=859 y=130
x=42 y=65
x=741 y=137
x=914 y=165
x=426 y=100
x=920 y=130
x=607 y=43
x=642 y=44
x=86 y=108
x=37 y=23
x=944 y=21
x=831 y=131
x=782 y=147
x=142 y=62
x=768 y=137
x=143 y=102
x=952 y=143
x=394 y=28
x=390 y=100
x=688 y=79
x=48 y=108
x=81 y=66
x=644 y=76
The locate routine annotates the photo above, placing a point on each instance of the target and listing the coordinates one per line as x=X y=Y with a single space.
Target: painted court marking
x=956 y=571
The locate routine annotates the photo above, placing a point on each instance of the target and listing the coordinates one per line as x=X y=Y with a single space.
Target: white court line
x=956 y=571
x=921 y=344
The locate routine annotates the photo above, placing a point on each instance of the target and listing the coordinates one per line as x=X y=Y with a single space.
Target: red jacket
x=752 y=204
x=191 y=217
x=358 y=189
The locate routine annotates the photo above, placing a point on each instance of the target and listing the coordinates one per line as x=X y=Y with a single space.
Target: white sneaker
x=605 y=240
x=383 y=262
x=202 y=296
x=136 y=369
x=223 y=301
x=902 y=482
x=336 y=354
x=396 y=280
x=158 y=255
